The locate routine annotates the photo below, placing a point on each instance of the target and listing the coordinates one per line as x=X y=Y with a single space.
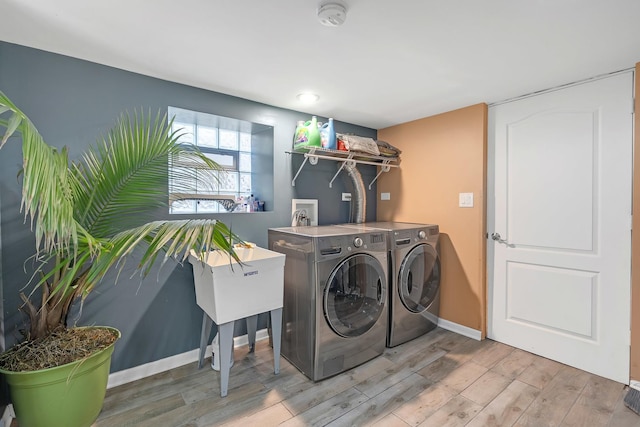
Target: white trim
x=155 y=367
x=7 y=416
x=262 y=334
x=634 y=384
x=460 y=329
x=138 y=372
x=566 y=85
x=490 y=220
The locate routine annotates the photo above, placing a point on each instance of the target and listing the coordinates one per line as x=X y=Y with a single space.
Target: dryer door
x=354 y=297
x=419 y=278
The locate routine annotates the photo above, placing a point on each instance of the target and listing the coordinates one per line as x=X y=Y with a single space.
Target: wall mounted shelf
x=345 y=157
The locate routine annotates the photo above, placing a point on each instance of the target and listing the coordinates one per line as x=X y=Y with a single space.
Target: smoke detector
x=332 y=14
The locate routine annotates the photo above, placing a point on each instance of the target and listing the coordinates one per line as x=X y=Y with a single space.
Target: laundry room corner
x=443 y=158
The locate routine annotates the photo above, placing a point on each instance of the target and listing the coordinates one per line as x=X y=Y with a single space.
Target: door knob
x=498 y=238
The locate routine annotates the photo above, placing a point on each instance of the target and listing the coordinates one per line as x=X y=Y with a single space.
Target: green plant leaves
x=89 y=216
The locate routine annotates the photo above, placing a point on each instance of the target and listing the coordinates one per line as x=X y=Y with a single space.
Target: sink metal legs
x=225 y=335
x=276 y=327
x=225 y=342
x=252 y=326
x=205 y=331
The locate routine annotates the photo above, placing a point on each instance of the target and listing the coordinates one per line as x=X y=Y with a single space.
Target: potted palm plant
x=87 y=217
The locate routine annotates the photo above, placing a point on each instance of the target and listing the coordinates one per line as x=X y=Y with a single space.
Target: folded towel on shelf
x=360 y=143
x=387 y=150
x=244 y=245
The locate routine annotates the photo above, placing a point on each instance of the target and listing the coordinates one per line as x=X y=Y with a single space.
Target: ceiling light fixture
x=332 y=14
x=308 y=97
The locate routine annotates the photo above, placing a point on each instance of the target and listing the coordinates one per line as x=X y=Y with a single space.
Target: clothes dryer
x=335 y=297
x=414 y=280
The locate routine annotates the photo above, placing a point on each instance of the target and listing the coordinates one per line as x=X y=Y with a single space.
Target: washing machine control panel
x=422 y=234
x=336 y=246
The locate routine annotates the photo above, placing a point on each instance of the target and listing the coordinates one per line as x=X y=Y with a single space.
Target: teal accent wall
x=73 y=102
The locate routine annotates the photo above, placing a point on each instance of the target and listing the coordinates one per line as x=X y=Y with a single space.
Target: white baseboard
x=157 y=366
x=634 y=384
x=8 y=416
x=460 y=329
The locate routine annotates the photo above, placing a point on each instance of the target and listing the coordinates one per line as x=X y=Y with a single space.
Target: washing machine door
x=419 y=278
x=354 y=297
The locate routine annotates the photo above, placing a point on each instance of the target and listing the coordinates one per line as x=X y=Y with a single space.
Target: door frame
x=634 y=369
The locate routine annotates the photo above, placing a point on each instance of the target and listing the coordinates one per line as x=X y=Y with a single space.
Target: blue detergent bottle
x=328 y=135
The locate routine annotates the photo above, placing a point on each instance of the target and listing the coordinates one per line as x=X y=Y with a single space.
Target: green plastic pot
x=70 y=395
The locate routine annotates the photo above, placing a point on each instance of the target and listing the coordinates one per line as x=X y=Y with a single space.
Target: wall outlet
x=346 y=197
x=465 y=200
x=385 y=196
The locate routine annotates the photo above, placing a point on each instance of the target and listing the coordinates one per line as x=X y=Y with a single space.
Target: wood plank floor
x=440 y=379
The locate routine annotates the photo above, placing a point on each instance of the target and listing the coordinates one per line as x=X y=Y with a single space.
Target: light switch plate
x=346 y=197
x=465 y=200
x=385 y=196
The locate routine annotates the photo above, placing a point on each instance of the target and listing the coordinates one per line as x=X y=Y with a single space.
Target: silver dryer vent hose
x=359 y=199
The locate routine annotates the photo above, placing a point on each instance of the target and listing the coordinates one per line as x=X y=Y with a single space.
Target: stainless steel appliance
x=335 y=284
x=414 y=280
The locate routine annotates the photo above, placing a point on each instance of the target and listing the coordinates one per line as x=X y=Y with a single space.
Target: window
x=233 y=144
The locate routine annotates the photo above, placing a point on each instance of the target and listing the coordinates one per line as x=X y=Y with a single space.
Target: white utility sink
x=227 y=291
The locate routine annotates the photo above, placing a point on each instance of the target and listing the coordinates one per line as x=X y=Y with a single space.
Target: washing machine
x=335 y=297
x=414 y=279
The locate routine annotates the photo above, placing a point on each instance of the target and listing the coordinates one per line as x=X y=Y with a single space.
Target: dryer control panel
x=408 y=237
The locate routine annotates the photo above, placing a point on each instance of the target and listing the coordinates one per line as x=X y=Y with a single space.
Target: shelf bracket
x=339 y=170
x=293 y=182
x=383 y=168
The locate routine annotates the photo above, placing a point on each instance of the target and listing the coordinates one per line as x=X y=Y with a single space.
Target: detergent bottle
x=328 y=135
x=296 y=134
x=308 y=136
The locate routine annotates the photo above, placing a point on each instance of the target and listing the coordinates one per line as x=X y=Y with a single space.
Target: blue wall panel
x=73 y=102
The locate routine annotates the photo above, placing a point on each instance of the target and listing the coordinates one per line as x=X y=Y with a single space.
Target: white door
x=561 y=267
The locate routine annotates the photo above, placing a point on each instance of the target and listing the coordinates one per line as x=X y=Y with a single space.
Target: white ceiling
x=391 y=61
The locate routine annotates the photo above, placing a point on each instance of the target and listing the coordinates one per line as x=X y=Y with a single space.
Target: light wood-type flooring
x=439 y=379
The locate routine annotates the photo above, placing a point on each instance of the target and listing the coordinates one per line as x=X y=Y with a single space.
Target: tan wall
x=635 y=241
x=443 y=156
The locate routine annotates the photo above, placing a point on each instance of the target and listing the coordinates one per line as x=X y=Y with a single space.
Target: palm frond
x=127 y=175
x=169 y=239
x=47 y=199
